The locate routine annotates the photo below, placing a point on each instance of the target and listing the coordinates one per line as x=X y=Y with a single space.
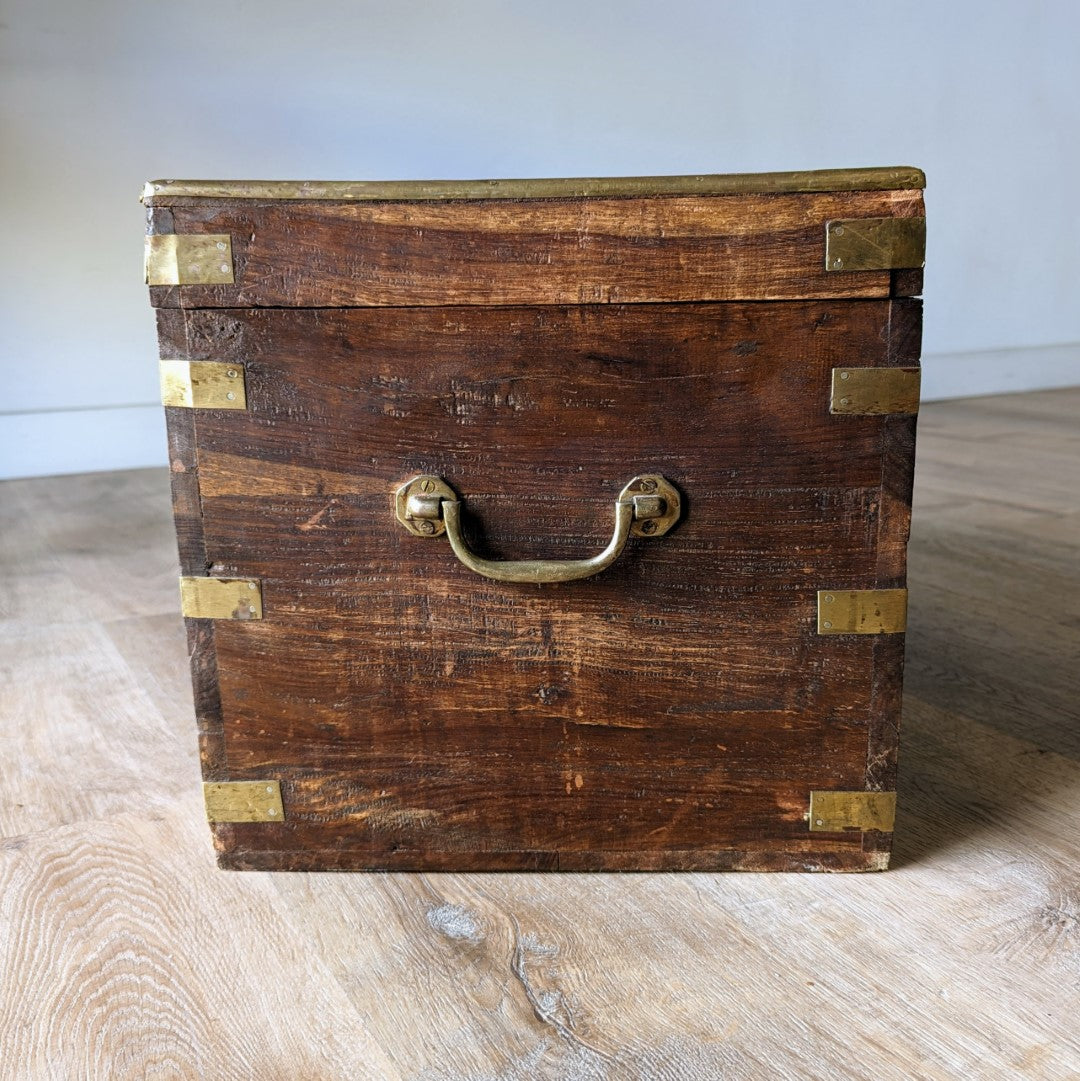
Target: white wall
x=96 y=97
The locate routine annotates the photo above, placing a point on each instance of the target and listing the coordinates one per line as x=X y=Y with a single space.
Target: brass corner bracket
x=202 y=384
x=188 y=259
x=839 y=812
x=875 y=244
x=874 y=391
x=220 y=598
x=243 y=801
x=862 y=611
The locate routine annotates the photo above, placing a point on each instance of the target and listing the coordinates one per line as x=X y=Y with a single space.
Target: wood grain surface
x=539 y=251
x=125 y=955
x=673 y=712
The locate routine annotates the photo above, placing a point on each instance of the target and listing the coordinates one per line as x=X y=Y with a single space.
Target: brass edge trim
x=862 y=611
x=188 y=259
x=243 y=801
x=890 y=178
x=221 y=598
x=202 y=384
x=839 y=812
x=875 y=391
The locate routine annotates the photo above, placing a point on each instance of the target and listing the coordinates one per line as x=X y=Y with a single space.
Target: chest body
x=544 y=525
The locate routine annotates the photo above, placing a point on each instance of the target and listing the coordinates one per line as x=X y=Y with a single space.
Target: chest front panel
x=676 y=709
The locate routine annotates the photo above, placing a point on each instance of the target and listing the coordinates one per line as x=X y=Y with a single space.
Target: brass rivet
x=818 y=822
x=230 y=396
x=251 y=585
x=826 y=624
x=828 y=598
x=224 y=268
x=844 y=375
x=231 y=373
x=273 y=811
x=845 y=401
x=838 y=263
x=270 y=788
x=220 y=245
x=838 y=230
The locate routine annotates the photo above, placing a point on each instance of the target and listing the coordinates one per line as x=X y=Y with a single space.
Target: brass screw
x=427 y=486
x=648 y=527
x=648 y=486
x=425 y=527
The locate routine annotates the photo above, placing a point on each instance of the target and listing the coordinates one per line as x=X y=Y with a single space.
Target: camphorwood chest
x=552 y=525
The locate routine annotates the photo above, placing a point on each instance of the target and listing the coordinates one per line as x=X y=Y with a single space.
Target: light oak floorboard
x=124 y=953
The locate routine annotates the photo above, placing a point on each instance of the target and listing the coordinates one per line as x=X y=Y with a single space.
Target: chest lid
x=854 y=233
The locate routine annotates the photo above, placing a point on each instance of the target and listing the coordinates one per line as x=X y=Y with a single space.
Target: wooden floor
x=124 y=953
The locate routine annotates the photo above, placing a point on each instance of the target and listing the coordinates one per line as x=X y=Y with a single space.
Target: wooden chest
x=552 y=525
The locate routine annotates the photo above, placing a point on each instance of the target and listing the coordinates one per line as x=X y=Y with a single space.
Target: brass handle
x=647 y=507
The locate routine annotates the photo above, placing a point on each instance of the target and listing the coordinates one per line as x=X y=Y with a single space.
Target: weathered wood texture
x=557 y=251
x=124 y=955
x=675 y=711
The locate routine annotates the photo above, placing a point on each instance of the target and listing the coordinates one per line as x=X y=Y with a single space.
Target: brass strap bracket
x=202 y=384
x=221 y=598
x=875 y=244
x=243 y=801
x=874 y=391
x=840 y=812
x=862 y=611
x=188 y=259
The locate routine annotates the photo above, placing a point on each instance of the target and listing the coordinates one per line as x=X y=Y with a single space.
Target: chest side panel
x=675 y=710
